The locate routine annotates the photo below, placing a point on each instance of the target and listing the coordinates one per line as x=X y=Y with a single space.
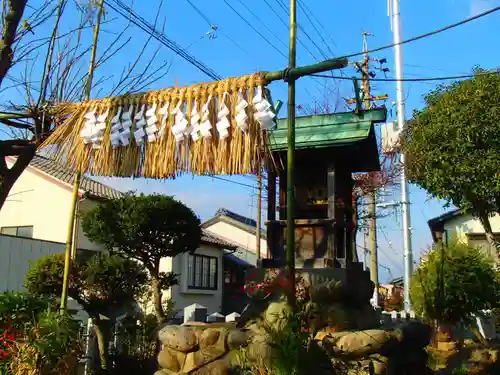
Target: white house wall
x=462 y=225
x=239 y=237
x=44 y=204
x=181 y=295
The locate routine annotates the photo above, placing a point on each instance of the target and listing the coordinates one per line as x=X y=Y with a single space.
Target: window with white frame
x=202 y=272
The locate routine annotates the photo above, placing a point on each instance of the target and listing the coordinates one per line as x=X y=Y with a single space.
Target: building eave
x=438 y=222
x=209 y=238
x=235 y=223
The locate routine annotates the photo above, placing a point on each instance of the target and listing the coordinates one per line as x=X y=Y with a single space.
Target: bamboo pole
x=78 y=175
x=294 y=73
x=290 y=183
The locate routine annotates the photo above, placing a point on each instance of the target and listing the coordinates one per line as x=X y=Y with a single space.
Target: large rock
x=237 y=338
x=362 y=343
x=209 y=337
x=197 y=360
x=179 y=338
x=218 y=367
x=214 y=347
x=171 y=360
x=276 y=315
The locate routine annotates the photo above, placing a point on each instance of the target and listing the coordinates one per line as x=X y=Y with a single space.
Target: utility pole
x=365 y=233
x=405 y=200
x=372 y=212
x=259 y=209
x=372 y=230
x=365 y=71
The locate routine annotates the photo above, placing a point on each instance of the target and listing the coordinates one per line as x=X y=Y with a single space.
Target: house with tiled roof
x=465 y=228
x=34 y=223
x=240 y=230
x=38 y=205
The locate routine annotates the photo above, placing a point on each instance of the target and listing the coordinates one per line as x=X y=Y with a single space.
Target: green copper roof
x=332 y=130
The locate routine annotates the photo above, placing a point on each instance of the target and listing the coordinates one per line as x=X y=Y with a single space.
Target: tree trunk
x=490 y=237
x=157 y=297
x=11 y=22
x=25 y=151
x=100 y=330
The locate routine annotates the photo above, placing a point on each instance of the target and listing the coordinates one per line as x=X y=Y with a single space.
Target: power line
x=212 y=25
x=200 y=13
x=320 y=25
x=254 y=29
x=286 y=25
x=430 y=33
x=230 y=181
x=303 y=7
x=299 y=26
x=263 y=23
x=127 y=12
x=497 y=71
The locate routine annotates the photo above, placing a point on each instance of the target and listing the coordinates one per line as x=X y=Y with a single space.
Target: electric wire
x=136 y=19
x=299 y=40
x=320 y=25
x=254 y=29
x=422 y=36
x=126 y=12
x=211 y=24
x=230 y=181
x=496 y=71
x=200 y=12
x=299 y=26
x=314 y=25
x=263 y=24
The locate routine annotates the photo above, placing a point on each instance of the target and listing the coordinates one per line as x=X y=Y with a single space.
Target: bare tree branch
x=12 y=20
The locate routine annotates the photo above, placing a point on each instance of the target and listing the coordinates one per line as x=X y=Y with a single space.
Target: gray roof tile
x=67 y=175
x=213 y=239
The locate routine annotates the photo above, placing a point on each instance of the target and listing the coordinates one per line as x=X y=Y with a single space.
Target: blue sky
x=238 y=50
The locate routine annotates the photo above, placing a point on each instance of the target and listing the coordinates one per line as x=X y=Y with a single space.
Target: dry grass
x=240 y=153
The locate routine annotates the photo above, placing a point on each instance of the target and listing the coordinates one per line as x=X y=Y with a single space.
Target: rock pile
x=380 y=352
x=198 y=350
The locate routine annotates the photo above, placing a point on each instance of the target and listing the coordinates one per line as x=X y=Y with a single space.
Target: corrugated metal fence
x=16 y=255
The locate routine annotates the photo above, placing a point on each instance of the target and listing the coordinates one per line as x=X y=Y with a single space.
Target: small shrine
x=329 y=149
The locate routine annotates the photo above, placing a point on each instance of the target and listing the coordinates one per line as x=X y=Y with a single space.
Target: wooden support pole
x=78 y=174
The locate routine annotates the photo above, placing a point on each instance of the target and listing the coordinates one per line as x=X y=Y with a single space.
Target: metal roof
x=237 y=220
x=64 y=174
x=327 y=130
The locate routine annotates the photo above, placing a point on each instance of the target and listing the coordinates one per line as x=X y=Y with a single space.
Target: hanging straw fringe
x=135 y=136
